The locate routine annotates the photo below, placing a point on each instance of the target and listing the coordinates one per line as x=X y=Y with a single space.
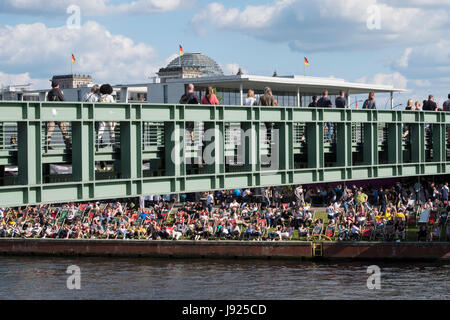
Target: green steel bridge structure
x=152 y=153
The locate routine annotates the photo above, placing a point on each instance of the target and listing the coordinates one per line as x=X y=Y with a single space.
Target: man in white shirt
x=210 y=202
x=93 y=96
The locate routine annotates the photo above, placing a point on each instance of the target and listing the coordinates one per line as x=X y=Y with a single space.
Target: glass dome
x=208 y=66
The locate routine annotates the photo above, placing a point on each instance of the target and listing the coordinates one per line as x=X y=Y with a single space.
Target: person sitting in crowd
x=284 y=216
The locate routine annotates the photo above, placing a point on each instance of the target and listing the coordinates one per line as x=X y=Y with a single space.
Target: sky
x=403 y=43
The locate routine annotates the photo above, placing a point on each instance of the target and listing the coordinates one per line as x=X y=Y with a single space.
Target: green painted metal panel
x=305 y=176
x=360 y=116
x=334 y=174
x=156 y=186
x=156 y=113
x=111 y=189
x=53 y=193
x=200 y=113
x=236 y=181
x=200 y=183
x=361 y=173
x=273 y=114
x=237 y=114
x=111 y=112
x=57 y=112
x=271 y=179
x=304 y=115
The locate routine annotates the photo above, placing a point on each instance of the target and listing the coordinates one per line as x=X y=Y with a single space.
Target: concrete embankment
x=229 y=249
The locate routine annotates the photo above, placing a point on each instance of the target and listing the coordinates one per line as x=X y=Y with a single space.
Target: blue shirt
x=446 y=105
x=340 y=102
x=237 y=192
x=324 y=103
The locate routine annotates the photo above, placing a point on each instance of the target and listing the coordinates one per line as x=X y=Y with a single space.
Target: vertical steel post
x=29 y=156
x=314 y=144
x=83 y=151
x=344 y=145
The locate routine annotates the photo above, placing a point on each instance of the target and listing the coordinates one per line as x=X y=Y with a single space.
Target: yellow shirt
x=400 y=215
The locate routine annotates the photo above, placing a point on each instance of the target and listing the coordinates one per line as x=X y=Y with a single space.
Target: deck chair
x=316 y=233
x=379 y=232
x=63 y=215
x=424 y=216
x=330 y=232
x=389 y=232
x=433 y=217
x=368 y=231
x=443 y=218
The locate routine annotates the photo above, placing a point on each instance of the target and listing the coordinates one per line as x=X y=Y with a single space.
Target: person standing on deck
x=341 y=102
x=56 y=95
x=210 y=97
x=370 y=102
x=325 y=102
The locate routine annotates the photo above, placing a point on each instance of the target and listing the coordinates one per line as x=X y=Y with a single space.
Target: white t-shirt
x=107 y=98
x=91 y=97
x=209 y=199
x=249 y=101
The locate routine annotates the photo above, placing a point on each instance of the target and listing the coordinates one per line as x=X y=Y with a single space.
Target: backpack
x=184 y=99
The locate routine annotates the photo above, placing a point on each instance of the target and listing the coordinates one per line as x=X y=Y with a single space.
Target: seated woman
x=435 y=233
x=303 y=231
x=343 y=232
x=422 y=233
x=257 y=233
x=274 y=234
x=285 y=233
x=354 y=232
x=400 y=230
x=198 y=231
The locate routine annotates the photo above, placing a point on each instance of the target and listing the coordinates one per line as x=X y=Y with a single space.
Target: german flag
x=181 y=50
x=306 y=62
x=73 y=59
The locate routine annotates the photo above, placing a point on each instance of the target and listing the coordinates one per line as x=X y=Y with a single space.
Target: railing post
x=29 y=159
x=394 y=139
x=417 y=132
x=174 y=148
x=130 y=149
x=314 y=144
x=370 y=145
x=83 y=152
x=344 y=144
x=215 y=147
x=250 y=145
x=439 y=143
x=285 y=145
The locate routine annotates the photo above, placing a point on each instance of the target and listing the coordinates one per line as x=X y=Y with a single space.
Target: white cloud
x=233 y=68
x=395 y=79
x=91 y=7
x=329 y=24
x=252 y=17
x=107 y=57
x=403 y=61
x=22 y=79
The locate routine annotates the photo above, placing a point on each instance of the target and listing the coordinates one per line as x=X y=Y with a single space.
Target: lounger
x=424 y=216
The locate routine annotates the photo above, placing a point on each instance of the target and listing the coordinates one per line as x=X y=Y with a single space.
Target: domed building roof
x=205 y=64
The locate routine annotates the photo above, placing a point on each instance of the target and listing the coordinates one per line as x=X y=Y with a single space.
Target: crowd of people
x=263 y=214
x=103 y=93
x=268 y=99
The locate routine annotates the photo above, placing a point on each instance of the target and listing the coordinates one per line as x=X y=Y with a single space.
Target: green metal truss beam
x=30 y=116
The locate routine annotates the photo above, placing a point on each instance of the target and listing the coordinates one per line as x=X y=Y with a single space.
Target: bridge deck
x=153 y=153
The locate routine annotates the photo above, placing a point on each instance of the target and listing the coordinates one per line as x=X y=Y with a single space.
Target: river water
x=120 y=278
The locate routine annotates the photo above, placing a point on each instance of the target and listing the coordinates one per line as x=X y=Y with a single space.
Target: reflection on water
x=45 y=278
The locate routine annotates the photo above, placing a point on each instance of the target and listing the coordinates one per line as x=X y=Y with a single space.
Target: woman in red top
x=210 y=97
